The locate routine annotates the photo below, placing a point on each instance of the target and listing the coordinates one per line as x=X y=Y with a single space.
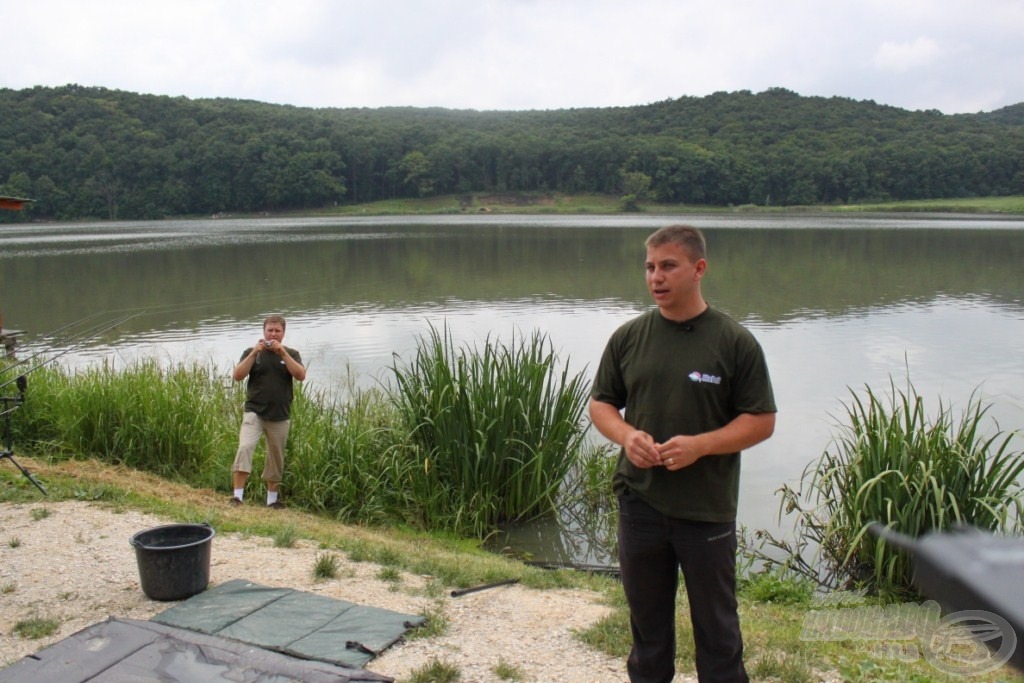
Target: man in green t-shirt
x=269 y=366
x=696 y=391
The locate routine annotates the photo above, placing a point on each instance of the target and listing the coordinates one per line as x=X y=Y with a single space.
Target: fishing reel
x=11 y=403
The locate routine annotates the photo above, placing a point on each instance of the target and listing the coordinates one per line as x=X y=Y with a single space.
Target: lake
x=838 y=303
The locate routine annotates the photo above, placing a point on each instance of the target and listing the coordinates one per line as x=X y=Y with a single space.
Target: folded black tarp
x=129 y=650
x=237 y=631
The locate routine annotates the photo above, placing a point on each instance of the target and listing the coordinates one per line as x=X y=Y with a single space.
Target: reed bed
x=340 y=458
x=175 y=422
x=491 y=433
x=462 y=440
x=892 y=463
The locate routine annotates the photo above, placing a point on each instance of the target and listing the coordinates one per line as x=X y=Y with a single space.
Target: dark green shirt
x=684 y=378
x=268 y=390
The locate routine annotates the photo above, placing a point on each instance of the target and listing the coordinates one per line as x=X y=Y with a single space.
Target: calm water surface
x=837 y=303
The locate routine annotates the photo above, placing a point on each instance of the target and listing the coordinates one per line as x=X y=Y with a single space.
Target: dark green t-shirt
x=684 y=378
x=268 y=391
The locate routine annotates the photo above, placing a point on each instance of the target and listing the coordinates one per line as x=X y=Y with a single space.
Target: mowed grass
x=997 y=205
x=555 y=203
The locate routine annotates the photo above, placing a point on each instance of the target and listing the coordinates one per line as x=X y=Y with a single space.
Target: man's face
x=273 y=332
x=672 y=277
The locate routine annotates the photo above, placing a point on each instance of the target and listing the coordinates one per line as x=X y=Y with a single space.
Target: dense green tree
x=86 y=152
x=416 y=176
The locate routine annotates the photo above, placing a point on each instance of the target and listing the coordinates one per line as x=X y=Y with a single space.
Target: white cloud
x=907 y=56
x=523 y=54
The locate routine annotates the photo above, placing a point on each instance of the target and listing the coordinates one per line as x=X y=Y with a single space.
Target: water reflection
x=837 y=303
x=578 y=536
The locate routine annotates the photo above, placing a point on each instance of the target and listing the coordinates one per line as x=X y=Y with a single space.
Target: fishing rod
x=95 y=331
x=72 y=324
x=473 y=589
x=49 y=348
x=12 y=403
x=608 y=570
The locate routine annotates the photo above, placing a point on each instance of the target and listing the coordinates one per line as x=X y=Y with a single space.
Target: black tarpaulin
x=237 y=631
x=133 y=651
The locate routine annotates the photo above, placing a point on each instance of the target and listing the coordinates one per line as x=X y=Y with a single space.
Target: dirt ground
x=74 y=563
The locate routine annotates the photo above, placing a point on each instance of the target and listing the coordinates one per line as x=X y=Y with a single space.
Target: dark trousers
x=652 y=550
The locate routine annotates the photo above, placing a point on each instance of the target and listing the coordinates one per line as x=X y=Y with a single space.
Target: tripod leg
x=10 y=404
x=28 y=475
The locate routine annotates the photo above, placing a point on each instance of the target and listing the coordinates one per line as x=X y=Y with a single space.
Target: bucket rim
x=134 y=540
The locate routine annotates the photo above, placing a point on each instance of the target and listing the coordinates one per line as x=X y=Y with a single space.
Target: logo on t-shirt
x=699 y=377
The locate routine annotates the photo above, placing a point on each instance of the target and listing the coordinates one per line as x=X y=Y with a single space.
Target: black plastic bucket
x=174 y=560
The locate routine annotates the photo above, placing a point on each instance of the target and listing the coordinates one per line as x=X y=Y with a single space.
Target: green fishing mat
x=291 y=621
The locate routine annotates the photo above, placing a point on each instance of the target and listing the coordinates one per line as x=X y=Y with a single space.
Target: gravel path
x=73 y=563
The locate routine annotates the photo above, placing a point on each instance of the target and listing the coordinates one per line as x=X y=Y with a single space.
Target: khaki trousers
x=276 y=432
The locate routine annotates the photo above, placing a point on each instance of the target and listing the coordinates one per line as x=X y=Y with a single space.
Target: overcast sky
x=956 y=56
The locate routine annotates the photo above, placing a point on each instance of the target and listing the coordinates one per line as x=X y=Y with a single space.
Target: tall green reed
x=465 y=440
x=492 y=432
x=173 y=421
x=339 y=462
x=892 y=463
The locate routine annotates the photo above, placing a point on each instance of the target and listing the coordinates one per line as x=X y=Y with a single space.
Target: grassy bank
x=774 y=612
x=983 y=205
x=485 y=203
x=552 y=203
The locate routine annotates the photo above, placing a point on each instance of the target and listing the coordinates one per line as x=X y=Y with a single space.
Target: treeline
x=85 y=152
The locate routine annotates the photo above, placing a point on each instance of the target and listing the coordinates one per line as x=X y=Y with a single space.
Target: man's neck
x=683 y=313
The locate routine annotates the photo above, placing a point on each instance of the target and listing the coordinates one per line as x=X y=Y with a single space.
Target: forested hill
x=86 y=152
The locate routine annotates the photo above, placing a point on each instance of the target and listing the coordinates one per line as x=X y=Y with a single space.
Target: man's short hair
x=686 y=236
x=275 y=319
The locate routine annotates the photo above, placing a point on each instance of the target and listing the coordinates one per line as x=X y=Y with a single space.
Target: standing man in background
x=696 y=391
x=270 y=367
